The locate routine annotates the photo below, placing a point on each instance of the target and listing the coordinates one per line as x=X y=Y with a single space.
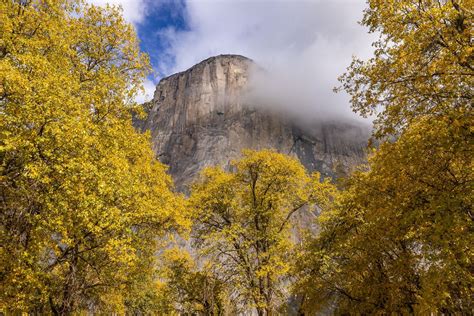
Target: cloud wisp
x=134 y=11
x=303 y=46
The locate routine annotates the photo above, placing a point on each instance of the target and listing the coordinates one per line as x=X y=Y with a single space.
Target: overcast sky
x=305 y=45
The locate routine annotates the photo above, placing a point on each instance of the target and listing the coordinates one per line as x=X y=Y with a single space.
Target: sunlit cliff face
x=206 y=115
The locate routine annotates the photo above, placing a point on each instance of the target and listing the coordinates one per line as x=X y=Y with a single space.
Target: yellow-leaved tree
x=191 y=289
x=399 y=239
x=423 y=63
x=244 y=220
x=82 y=197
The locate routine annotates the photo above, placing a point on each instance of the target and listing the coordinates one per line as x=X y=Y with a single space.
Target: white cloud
x=134 y=11
x=305 y=46
x=149 y=87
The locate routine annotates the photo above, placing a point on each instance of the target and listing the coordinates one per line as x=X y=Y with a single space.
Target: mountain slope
x=201 y=117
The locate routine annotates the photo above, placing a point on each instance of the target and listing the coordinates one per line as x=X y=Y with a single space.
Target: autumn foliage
x=399 y=239
x=82 y=197
x=244 y=223
x=87 y=213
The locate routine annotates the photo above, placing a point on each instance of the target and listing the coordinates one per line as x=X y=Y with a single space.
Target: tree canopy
x=191 y=289
x=399 y=237
x=82 y=196
x=243 y=223
x=86 y=208
x=422 y=66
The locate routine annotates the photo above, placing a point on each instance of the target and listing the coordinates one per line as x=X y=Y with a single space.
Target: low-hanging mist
x=302 y=45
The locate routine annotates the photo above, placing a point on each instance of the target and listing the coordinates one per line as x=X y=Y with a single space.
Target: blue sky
x=304 y=44
x=159 y=18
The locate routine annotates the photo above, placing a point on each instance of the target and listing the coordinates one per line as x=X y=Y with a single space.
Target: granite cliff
x=201 y=117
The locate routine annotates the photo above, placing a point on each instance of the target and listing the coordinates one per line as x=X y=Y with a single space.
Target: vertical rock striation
x=200 y=117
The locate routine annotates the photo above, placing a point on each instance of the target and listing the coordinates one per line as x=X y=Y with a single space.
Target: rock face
x=200 y=117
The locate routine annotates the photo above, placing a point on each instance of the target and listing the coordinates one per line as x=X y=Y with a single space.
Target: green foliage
x=243 y=223
x=82 y=195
